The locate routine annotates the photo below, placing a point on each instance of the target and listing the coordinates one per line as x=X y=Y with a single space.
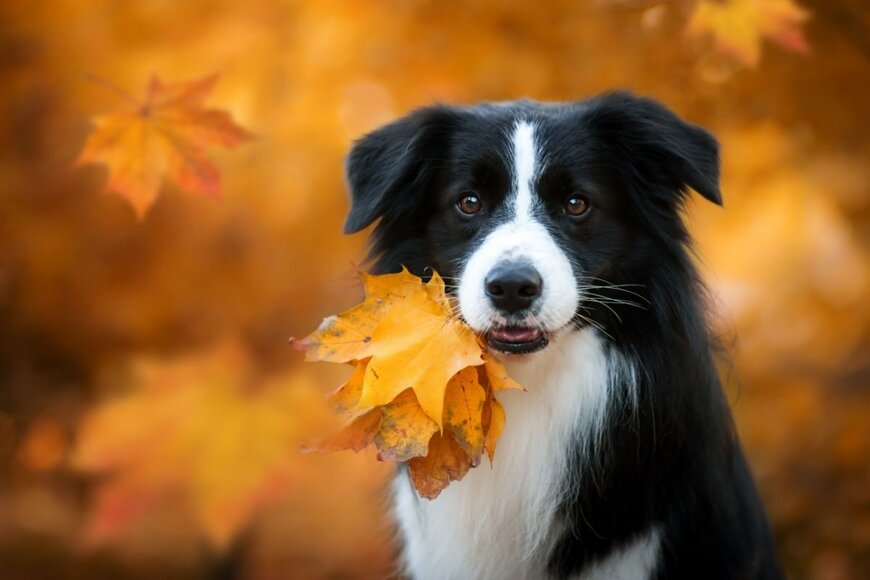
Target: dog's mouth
x=517 y=339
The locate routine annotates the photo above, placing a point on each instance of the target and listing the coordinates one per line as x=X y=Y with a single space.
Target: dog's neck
x=501 y=521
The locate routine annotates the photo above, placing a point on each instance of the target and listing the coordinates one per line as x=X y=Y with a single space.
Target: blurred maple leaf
x=422 y=390
x=738 y=26
x=163 y=138
x=203 y=431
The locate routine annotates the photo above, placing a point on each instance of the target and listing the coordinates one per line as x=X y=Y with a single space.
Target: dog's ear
x=387 y=167
x=664 y=148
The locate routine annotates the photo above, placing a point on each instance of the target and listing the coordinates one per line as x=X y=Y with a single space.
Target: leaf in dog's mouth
x=423 y=387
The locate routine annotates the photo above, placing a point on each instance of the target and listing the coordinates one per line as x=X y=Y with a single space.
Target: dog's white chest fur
x=497 y=522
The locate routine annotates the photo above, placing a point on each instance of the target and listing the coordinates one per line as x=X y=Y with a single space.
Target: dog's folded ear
x=387 y=167
x=666 y=150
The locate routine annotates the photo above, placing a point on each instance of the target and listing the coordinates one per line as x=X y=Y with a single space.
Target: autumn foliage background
x=150 y=406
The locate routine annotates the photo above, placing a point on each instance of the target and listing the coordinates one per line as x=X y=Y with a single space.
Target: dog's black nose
x=513 y=286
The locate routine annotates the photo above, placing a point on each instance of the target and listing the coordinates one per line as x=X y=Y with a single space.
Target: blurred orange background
x=150 y=407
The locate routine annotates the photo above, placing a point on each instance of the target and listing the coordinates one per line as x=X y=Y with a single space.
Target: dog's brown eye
x=469 y=204
x=576 y=205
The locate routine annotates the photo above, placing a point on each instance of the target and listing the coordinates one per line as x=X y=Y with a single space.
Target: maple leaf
x=493 y=423
x=345 y=399
x=410 y=339
x=463 y=413
x=738 y=26
x=198 y=433
x=496 y=375
x=445 y=462
x=357 y=435
x=405 y=429
x=422 y=390
x=163 y=138
x=346 y=337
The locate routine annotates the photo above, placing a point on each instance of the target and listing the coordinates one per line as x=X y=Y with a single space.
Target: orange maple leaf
x=463 y=411
x=163 y=138
x=422 y=390
x=203 y=434
x=738 y=26
x=445 y=462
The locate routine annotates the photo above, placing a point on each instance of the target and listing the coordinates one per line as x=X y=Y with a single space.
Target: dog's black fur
x=672 y=457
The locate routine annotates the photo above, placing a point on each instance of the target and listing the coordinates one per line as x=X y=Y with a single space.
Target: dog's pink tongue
x=516 y=334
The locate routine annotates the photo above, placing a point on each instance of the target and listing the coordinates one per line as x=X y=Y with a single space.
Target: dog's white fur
x=499 y=522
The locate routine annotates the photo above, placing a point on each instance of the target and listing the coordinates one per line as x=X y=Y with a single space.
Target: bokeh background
x=150 y=407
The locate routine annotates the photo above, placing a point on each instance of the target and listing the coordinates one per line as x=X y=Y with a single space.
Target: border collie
x=558 y=229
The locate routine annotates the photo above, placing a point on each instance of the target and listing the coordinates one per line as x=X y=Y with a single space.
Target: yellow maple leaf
x=493 y=423
x=738 y=26
x=421 y=378
x=410 y=338
x=163 y=138
x=345 y=399
x=497 y=375
x=421 y=351
x=346 y=337
x=199 y=433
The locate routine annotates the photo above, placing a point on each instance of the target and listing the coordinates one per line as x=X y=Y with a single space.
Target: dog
x=558 y=230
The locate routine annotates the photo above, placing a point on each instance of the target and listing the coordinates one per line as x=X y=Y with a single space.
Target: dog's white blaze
x=498 y=522
x=521 y=238
x=525 y=162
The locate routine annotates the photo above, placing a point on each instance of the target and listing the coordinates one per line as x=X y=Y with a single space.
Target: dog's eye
x=469 y=204
x=576 y=205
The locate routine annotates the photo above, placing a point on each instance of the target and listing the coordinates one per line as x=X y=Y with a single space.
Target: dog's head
x=540 y=217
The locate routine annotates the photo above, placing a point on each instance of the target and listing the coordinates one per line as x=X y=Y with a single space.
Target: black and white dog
x=558 y=228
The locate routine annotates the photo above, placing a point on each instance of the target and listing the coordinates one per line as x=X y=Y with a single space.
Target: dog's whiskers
x=606 y=305
x=594 y=324
x=593 y=297
x=616 y=287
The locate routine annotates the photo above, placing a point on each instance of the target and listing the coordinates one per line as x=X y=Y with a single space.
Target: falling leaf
x=738 y=26
x=163 y=138
x=198 y=431
x=421 y=378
